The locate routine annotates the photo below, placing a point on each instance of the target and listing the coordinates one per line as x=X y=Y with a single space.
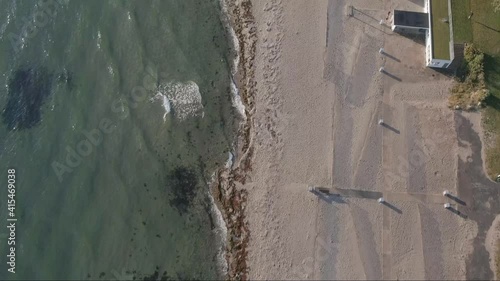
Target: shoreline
x=229 y=199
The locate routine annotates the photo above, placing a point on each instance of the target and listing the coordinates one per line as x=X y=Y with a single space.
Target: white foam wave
x=165 y=103
x=184 y=99
x=230 y=161
x=99 y=39
x=235 y=46
x=237 y=103
x=221 y=232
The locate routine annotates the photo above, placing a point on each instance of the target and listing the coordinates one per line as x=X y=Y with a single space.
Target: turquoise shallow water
x=109 y=185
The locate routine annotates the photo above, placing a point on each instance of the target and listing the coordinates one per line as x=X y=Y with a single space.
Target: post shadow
x=391 y=128
x=392 y=207
x=391 y=56
x=456 y=199
x=457 y=212
x=359 y=11
x=391 y=75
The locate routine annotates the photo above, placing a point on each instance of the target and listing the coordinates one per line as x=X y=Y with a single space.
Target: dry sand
x=492 y=240
x=318 y=97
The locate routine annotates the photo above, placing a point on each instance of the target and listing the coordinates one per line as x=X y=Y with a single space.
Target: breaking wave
x=183 y=99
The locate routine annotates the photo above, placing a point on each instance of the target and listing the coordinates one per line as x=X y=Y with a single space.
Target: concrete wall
x=439 y=63
x=408 y=29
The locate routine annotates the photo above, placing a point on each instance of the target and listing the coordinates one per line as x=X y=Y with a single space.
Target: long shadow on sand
x=391 y=128
x=392 y=207
x=457 y=212
x=456 y=199
x=330 y=198
x=392 y=76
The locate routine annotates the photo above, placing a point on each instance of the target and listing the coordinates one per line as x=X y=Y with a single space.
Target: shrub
x=470 y=92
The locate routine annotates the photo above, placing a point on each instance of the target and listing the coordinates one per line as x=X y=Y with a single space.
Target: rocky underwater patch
x=27 y=90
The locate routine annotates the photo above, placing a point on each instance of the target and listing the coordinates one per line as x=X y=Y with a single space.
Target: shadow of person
x=330 y=198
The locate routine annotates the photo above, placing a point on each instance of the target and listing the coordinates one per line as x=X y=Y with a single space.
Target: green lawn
x=462 y=28
x=486 y=27
x=483 y=29
x=440 y=29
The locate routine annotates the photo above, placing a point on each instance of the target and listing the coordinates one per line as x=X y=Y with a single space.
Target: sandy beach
x=313 y=121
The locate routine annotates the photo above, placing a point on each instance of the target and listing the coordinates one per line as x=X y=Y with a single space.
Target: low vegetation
x=470 y=92
x=496 y=5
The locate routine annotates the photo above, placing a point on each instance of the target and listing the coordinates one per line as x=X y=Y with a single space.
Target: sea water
x=115 y=114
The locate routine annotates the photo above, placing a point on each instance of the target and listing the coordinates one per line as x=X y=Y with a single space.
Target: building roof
x=412 y=19
x=440 y=29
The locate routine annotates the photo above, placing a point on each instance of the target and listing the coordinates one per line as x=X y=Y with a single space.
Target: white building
x=436 y=23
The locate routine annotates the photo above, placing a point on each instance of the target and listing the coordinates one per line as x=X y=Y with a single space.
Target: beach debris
x=381 y=200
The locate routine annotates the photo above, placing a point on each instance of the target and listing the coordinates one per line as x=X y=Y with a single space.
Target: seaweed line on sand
x=226 y=188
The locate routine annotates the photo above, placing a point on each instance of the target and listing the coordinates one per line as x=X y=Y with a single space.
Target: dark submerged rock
x=184 y=184
x=28 y=89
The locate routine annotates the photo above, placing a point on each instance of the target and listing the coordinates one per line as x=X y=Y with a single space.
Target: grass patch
x=491 y=116
x=440 y=29
x=482 y=29
x=462 y=28
x=485 y=27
